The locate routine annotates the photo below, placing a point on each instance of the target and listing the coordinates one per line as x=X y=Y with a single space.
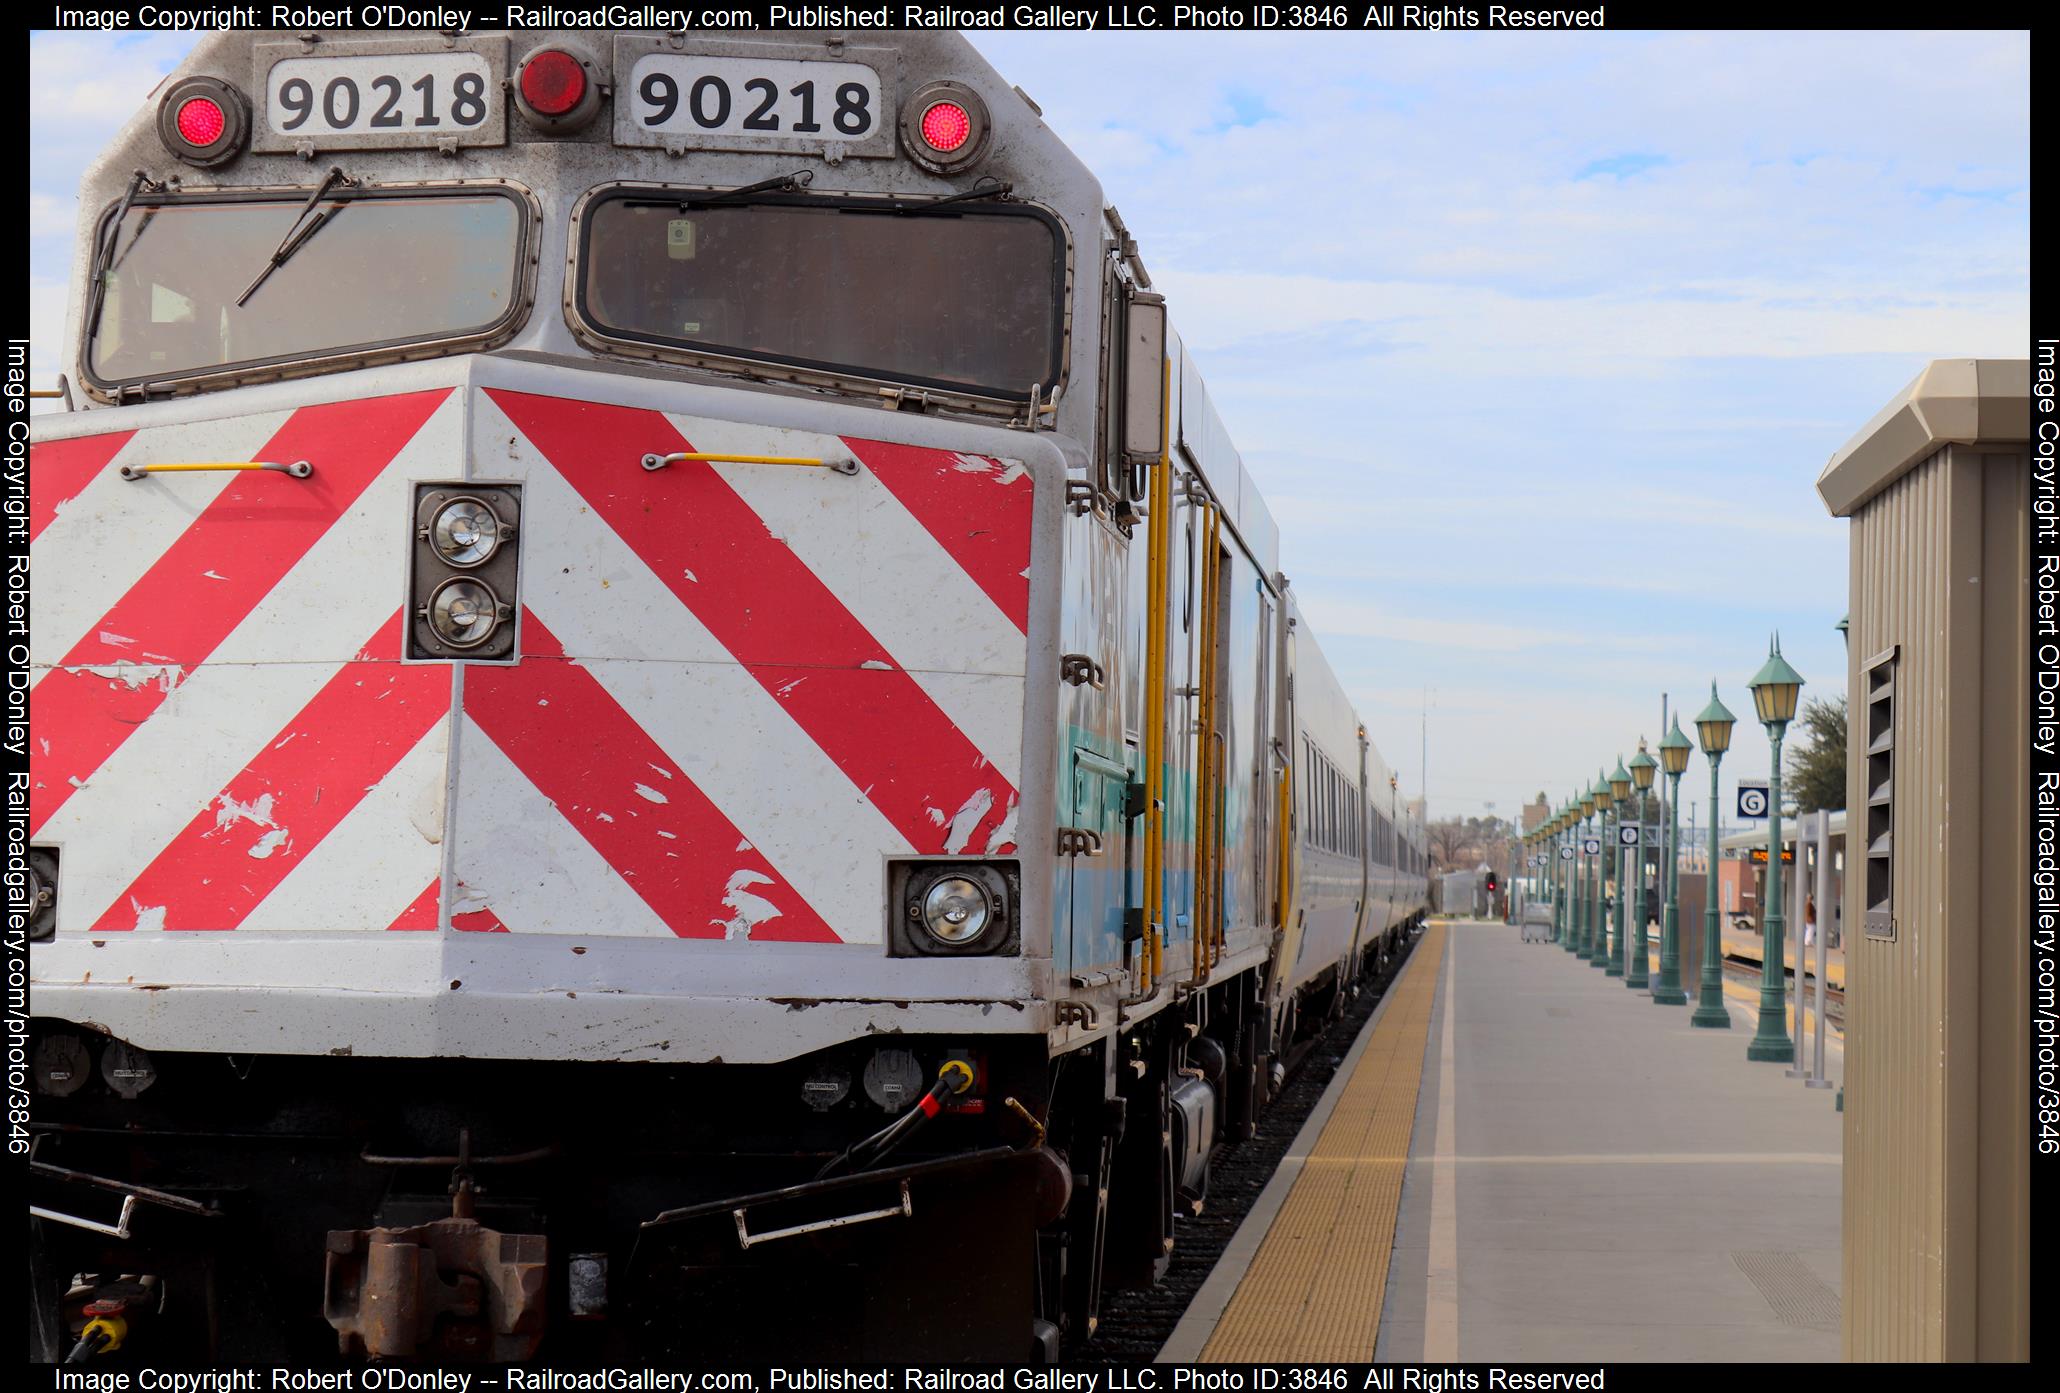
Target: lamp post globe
x=1637 y=969
x=1613 y=849
x=1713 y=732
x=1674 y=749
x=1775 y=688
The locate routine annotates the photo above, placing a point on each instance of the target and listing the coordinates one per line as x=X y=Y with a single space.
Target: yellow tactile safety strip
x=1315 y=1288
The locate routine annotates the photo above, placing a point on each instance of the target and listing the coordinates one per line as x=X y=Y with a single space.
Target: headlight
x=464 y=586
x=954 y=908
x=956 y=911
x=463 y=612
x=466 y=532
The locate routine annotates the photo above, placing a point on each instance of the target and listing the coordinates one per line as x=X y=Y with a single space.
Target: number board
x=1752 y=797
x=1627 y=835
x=725 y=96
x=1566 y=853
x=1591 y=846
x=380 y=94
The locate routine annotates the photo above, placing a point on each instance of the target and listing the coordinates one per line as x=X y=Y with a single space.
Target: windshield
x=965 y=299
x=382 y=270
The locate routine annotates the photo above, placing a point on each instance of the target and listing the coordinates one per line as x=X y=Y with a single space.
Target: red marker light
x=946 y=127
x=201 y=122
x=553 y=82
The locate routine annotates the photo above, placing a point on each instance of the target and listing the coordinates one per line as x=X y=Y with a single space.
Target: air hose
x=955 y=1078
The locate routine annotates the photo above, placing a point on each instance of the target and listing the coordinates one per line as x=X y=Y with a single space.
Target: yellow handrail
x=299 y=469
x=656 y=461
x=1208 y=823
x=1158 y=549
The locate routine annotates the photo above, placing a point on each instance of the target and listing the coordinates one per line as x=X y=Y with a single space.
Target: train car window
x=381 y=270
x=969 y=299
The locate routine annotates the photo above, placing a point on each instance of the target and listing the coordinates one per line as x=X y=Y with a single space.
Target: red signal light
x=201 y=121
x=946 y=126
x=553 y=82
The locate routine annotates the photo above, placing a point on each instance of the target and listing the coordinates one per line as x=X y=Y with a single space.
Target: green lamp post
x=1577 y=822
x=1775 y=688
x=1619 y=804
x=1713 y=730
x=1598 y=935
x=1673 y=759
x=1559 y=876
x=1637 y=972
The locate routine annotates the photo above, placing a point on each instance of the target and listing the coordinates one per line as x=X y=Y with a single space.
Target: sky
x=1536 y=343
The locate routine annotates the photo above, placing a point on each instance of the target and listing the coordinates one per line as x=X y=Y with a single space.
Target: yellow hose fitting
x=113 y=1327
x=957 y=1074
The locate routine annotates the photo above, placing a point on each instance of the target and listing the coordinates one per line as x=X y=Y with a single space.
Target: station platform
x=1524 y=1160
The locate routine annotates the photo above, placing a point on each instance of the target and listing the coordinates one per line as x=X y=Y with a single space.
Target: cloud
x=1536 y=343
x=1619 y=166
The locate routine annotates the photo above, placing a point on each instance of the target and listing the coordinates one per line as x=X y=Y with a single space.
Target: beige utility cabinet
x=1937 y=910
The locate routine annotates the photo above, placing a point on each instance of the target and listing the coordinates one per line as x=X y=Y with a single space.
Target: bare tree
x=1447 y=839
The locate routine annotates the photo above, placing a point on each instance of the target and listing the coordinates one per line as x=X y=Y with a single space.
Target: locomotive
x=664 y=724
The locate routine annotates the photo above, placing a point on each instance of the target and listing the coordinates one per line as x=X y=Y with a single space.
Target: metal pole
x=1638 y=962
x=1817 y=1079
x=1558 y=887
x=1613 y=929
x=1598 y=936
x=1572 y=939
x=1798 y=900
x=1710 y=1011
x=1667 y=992
x=1552 y=877
x=1770 y=1043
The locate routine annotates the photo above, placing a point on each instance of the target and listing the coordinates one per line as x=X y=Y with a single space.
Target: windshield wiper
x=785 y=183
x=103 y=255
x=988 y=187
x=298 y=235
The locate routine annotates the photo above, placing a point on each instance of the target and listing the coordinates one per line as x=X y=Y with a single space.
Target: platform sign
x=1566 y=853
x=1752 y=798
x=1627 y=835
x=1591 y=846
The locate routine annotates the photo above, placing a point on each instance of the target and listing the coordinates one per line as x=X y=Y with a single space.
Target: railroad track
x=1749 y=973
x=1135 y=1324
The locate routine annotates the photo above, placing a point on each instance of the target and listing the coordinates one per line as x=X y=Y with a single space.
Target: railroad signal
x=1492 y=882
